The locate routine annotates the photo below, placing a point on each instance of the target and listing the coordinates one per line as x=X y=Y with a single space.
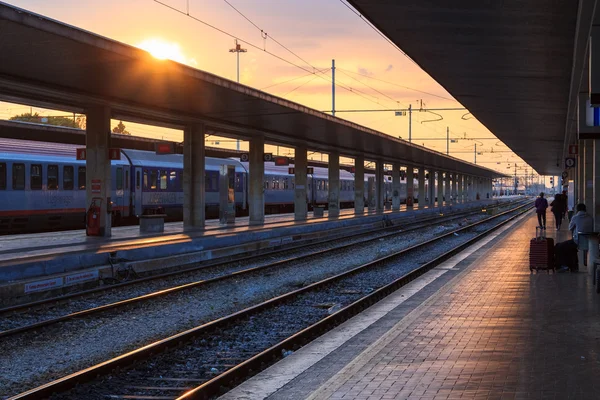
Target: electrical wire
x=293 y=79
x=401 y=86
x=371 y=87
x=299 y=86
x=366 y=21
x=265 y=35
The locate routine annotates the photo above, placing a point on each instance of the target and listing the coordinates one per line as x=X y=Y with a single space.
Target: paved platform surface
x=480 y=326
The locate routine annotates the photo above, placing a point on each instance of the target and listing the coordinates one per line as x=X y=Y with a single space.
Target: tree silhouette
x=78 y=122
x=120 y=129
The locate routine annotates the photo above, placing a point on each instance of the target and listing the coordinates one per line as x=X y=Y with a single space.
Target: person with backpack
x=541 y=204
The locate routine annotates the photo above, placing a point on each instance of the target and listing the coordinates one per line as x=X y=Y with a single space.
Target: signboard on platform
x=570 y=162
x=81 y=277
x=46 y=284
x=244 y=157
x=81 y=154
x=114 y=153
x=96 y=185
x=573 y=149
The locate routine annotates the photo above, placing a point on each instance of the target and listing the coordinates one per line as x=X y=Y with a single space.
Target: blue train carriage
x=43 y=186
x=158 y=184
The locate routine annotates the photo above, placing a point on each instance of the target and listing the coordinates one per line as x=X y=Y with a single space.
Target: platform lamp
x=238 y=49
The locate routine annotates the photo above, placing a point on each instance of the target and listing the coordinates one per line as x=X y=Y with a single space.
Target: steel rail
x=213 y=386
x=95 y=310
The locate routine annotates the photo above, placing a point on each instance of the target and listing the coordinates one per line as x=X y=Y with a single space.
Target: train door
x=136 y=192
x=126 y=210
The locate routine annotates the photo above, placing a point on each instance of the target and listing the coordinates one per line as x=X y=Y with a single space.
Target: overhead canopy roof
x=50 y=62
x=509 y=62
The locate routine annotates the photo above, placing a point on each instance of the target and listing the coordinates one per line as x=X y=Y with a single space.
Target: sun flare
x=165 y=50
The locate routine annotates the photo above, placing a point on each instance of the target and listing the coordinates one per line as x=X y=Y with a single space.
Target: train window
x=137 y=179
x=212 y=181
x=81 y=177
x=36 y=177
x=2 y=176
x=145 y=179
x=52 y=177
x=173 y=180
x=153 y=179
x=18 y=176
x=68 y=177
x=120 y=178
x=163 y=180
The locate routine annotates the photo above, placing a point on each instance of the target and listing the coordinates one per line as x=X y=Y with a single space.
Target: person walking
x=565 y=200
x=559 y=207
x=541 y=204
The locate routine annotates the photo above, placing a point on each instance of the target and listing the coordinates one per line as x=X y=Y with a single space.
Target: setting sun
x=165 y=50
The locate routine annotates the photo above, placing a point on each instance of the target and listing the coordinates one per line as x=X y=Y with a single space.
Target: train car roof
x=28 y=150
x=319 y=172
x=143 y=158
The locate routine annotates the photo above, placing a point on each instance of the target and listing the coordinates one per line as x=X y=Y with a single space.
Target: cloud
x=389 y=68
x=364 y=71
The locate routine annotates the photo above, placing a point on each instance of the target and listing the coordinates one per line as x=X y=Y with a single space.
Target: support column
x=396 y=187
x=579 y=182
x=454 y=188
x=447 y=193
x=461 y=188
x=300 y=183
x=98 y=183
x=421 y=183
x=432 y=192
x=380 y=187
x=410 y=187
x=359 y=185
x=256 y=196
x=440 y=189
x=595 y=210
x=468 y=189
x=334 y=185
x=588 y=175
x=193 y=177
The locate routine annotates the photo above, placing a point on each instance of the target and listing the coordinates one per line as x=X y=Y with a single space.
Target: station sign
x=114 y=154
x=96 y=185
x=245 y=157
x=573 y=149
x=164 y=148
x=81 y=154
x=570 y=162
x=282 y=161
x=267 y=157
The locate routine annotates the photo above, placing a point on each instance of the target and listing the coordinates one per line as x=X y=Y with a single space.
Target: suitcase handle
x=541 y=234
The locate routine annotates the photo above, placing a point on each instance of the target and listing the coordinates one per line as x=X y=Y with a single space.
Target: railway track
x=201 y=360
x=16 y=321
x=245 y=257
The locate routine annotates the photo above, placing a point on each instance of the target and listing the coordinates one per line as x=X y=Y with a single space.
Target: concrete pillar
x=256 y=196
x=396 y=187
x=98 y=174
x=440 y=189
x=359 y=185
x=595 y=210
x=579 y=182
x=300 y=183
x=468 y=189
x=193 y=177
x=588 y=174
x=334 y=185
x=432 y=192
x=410 y=186
x=380 y=187
x=447 y=192
x=461 y=188
x=454 y=188
x=421 y=183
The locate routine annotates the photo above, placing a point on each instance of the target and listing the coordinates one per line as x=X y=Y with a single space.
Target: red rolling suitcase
x=541 y=252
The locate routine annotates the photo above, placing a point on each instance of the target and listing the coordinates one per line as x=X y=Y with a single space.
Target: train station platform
x=49 y=262
x=479 y=326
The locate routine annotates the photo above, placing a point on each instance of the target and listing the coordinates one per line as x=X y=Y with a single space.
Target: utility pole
x=238 y=49
x=410 y=123
x=448 y=142
x=333 y=87
x=516 y=179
